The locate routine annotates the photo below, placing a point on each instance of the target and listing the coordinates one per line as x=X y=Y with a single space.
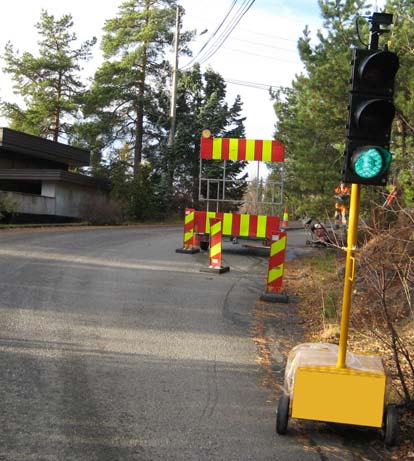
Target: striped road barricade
x=215 y=259
x=276 y=268
x=190 y=244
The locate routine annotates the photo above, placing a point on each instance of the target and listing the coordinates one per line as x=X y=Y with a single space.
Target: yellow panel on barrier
x=341 y=395
x=227 y=223
x=244 y=225
x=261 y=226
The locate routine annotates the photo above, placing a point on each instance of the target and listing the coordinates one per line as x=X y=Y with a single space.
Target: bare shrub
x=7 y=205
x=101 y=210
x=386 y=264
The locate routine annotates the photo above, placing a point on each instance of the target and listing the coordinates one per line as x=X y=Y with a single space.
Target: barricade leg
x=189 y=246
x=276 y=268
x=215 y=263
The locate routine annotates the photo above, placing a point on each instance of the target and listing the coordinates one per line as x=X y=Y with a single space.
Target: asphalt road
x=114 y=347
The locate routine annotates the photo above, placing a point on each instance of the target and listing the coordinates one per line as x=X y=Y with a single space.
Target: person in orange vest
x=342 y=193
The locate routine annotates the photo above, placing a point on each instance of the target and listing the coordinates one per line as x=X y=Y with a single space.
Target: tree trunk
x=56 y=128
x=138 y=136
x=139 y=124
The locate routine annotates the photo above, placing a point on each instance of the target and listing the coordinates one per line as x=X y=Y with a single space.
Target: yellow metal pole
x=349 y=272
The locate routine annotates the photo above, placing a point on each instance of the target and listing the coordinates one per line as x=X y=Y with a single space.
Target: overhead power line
x=290 y=50
x=268 y=35
x=258 y=86
x=213 y=34
x=274 y=58
x=219 y=43
x=206 y=53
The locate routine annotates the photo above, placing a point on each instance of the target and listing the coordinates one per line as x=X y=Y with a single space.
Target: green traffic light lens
x=369 y=163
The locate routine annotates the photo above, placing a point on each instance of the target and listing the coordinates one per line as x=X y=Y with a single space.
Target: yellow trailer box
x=320 y=391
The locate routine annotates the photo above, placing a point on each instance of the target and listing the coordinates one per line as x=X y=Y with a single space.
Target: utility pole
x=174 y=81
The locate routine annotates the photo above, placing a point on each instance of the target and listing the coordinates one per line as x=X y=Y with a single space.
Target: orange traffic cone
x=285 y=222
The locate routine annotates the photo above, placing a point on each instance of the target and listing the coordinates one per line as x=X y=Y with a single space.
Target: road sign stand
x=251 y=225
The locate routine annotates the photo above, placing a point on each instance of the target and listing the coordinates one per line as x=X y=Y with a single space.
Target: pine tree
x=134 y=44
x=402 y=42
x=49 y=84
x=313 y=113
x=201 y=104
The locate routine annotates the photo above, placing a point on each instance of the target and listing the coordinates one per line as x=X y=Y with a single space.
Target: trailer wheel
x=282 y=414
x=204 y=245
x=390 y=425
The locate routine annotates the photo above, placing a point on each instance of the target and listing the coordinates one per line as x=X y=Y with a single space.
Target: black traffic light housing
x=371 y=112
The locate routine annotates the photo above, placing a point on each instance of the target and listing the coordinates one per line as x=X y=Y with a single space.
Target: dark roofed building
x=34 y=172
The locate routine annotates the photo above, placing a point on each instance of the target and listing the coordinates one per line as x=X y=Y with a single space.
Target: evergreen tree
x=201 y=104
x=313 y=113
x=402 y=42
x=133 y=44
x=49 y=84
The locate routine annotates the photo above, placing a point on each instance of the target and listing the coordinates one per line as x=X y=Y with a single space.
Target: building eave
x=34 y=146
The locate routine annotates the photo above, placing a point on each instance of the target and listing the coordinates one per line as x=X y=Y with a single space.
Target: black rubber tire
x=282 y=415
x=204 y=245
x=390 y=425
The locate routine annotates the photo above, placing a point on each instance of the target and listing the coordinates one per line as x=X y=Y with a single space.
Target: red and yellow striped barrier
x=215 y=242
x=190 y=244
x=239 y=225
x=242 y=149
x=275 y=270
x=215 y=248
x=189 y=235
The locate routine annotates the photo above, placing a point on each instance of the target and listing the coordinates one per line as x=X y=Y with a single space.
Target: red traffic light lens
x=379 y=69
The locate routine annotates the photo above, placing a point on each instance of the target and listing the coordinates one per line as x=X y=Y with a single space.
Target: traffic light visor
x=369 y=162
x=379 y=69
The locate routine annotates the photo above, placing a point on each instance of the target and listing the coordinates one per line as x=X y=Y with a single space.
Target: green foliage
x=122 y=93
x=201 y=104
x=325 y=262
x=49 y=84
x=125 y=110
x=141 y=206
x=329 y=306
x=313 y=113
x=402 y=42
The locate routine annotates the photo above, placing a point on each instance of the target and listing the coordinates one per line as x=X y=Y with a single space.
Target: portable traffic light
x=371 y=112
